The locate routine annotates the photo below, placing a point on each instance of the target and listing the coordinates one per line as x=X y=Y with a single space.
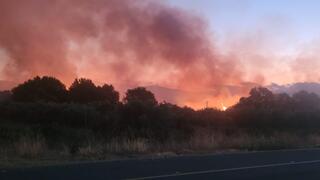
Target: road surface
x=291 y=164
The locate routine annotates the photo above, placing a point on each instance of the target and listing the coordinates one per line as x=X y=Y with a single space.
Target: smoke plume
x=123 y=42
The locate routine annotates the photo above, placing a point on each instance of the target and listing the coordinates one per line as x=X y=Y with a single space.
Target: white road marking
x=226 y=170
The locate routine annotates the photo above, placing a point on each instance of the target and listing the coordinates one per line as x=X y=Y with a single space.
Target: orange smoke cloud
x=123 y=42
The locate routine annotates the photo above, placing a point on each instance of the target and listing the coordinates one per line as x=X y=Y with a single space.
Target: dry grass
x=219 y=141
x=207 y=141
x=210 y=141
x=91 y=150
x=127 y=146
x=35 y=149
x=115 y=146
x=30 y=147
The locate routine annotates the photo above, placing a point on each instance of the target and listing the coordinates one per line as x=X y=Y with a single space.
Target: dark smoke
x=124 y=42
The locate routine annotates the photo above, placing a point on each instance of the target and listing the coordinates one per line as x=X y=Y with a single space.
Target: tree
x=44 y=89
x=259 y=97
x=257 y=110
x=140 y=95
x=305 y=101
x=108 y=94
x=85 y=91
x=139 y=108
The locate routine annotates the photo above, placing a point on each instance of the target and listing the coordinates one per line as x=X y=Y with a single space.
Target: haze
x=188 y=52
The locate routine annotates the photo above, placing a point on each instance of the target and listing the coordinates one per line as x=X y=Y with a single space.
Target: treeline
x=50 y=89
x=264 y=110
x=44 y=106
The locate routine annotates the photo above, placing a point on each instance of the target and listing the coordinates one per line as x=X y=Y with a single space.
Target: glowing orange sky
x=128 y=43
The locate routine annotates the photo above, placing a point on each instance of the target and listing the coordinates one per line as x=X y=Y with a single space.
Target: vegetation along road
x=289 y=164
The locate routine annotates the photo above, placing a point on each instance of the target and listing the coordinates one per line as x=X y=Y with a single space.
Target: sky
x=226 y=15
x=286 y=29
x=189 y=52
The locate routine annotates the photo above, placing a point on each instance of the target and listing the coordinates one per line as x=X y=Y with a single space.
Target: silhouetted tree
x=85 y=91
x=257 y=110
x=108 y=94
x=259 y=97
x=45 y=89
x=306 y=101
x=211 y=116
x=138 y=111
x=140 y=95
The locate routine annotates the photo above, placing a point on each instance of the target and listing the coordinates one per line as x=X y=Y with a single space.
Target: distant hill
x=166 y=94
x=178 y=96
x=227 y=94
x=296 y=87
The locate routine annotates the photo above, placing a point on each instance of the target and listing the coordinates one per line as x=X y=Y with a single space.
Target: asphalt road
x=272 y=165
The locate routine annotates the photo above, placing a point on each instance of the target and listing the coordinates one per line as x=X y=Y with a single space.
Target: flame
x=223 y=107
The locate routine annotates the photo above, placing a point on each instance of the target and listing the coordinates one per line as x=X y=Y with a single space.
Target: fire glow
x=223 y=107
x=126 y=43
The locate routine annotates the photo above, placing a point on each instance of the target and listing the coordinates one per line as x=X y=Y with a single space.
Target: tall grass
x=30 y=146
x=204 y=140
x=127 y=146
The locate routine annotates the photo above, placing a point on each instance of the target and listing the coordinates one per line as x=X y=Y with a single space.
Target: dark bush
x=40 y=89
x=43 y=106
x=85 y=91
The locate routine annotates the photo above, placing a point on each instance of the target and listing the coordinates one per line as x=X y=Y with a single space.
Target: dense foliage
x=44 y=106
x=46 y=89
